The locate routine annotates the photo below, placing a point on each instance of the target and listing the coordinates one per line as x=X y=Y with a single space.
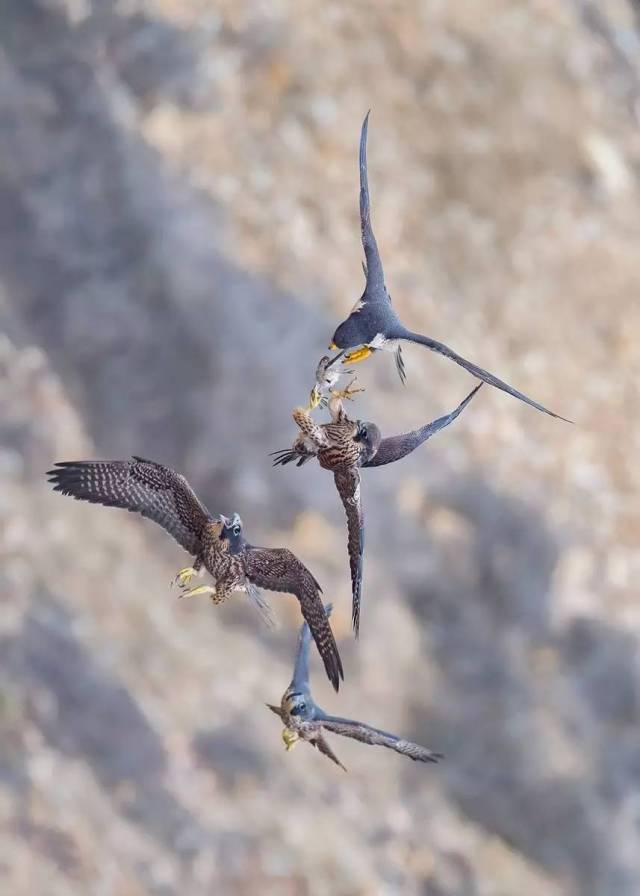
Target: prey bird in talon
x=345 y=446
x=304 y=720
x=327 y=375
x=373 y=324
x=160 y=494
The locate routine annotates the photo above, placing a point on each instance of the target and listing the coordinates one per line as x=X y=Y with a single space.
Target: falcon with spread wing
x=373 y=324
x=160 y=494
x=304 y=720
x=345 y=446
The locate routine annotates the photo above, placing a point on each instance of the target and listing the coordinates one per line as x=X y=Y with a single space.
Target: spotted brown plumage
x=305 y=720
x=277 y=569
x=373 y=323
x=347 y=480
x=161 y=494
x=139 y=486
x=346 y=446
x=342 y=446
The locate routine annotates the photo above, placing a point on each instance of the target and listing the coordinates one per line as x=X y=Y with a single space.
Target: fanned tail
x=287 y=456
x=262 y=606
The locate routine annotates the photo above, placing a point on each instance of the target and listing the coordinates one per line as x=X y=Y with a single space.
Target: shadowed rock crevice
x=85 y=713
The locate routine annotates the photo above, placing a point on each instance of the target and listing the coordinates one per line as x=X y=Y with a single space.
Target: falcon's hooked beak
x=358 y=355
x=341 y=352
x=290 y=738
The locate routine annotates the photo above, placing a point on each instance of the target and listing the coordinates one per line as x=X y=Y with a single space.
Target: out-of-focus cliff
x=178 y=238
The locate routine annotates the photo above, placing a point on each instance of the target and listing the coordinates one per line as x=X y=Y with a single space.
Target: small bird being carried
x=327 y=375
x=374 y=325
x=160 y=494
x=304 y=720
x=344 y=446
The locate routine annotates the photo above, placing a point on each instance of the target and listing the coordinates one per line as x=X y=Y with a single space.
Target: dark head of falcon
x=368 y=435
x=231 y=537
x=299 y=705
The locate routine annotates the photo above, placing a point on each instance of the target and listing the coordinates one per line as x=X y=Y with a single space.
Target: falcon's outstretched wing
x=348 y=485
x=324 y=747
x=397 y=447
x=279 y=570
x=368 y=735
x=375 y=289
x=479 y=372
x=140 y=486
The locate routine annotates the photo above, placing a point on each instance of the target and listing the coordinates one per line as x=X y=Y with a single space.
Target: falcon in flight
x=159 y=493
x=304 y=720
x=344 y=446
x=374 y=325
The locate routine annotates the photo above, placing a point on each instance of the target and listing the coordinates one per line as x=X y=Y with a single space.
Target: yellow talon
x=333 y=347
x=359 y=355
x=314 y=399
x=201 y=589
x=184 y=576
x=347 y=392
x=290 y=738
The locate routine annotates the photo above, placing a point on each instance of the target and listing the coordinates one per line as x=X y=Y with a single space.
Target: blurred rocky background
x=178 y=238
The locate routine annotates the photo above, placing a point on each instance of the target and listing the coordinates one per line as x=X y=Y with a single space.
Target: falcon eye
x=236 y=529
x=298 y=708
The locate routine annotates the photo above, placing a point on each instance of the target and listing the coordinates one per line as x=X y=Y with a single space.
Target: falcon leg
x=201 y=589
x=309 y=427
x=290 y=738
x=347 y=392
x=185 y=575
x=358 y=355
x=315 y=398
x=218 y=593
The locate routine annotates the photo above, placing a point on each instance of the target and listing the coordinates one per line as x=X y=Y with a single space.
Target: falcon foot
x=184 y=576
x=359 y=355
x=290 y=738
x=315 y=399
x=346 y=393
x=201 y=589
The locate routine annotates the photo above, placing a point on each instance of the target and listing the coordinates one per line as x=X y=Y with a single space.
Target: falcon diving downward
x=304 y=720
x=344 y=446
x=162 y=495
x=374 y=325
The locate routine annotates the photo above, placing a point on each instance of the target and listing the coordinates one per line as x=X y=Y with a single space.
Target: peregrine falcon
x=162 y=495
x=344 y=446
x=304 y=720
x=373 y=324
